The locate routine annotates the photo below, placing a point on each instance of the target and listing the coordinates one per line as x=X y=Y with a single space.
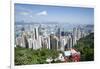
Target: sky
x=45 y=13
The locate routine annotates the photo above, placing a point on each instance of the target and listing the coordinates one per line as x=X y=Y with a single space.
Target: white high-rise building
x=34 y=44
x=62 y=44
x=36 y=38
x=25 y=39
x=56 y=42
x=40 y=44
x=30 y=43
x=78 y=33
x=18 y=41
x=74 y=36
x=69 y=44
x=22 y=40
x=48 y=40
x=63 y=41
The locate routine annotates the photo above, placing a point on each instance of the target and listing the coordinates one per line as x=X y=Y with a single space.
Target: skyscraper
x=30 y=43
x=69 y=44
x=79 y=33
x=59 y=35
x=74 y=36
x=63 y=42
x=36 y=30
x=53 y=42
x=36 y=38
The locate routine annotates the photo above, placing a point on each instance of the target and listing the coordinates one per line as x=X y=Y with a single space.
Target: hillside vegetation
x=86 y=47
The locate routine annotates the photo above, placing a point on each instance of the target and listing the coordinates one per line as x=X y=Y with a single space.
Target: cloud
x=44 y=13
x=31 y=16
x=24 y=13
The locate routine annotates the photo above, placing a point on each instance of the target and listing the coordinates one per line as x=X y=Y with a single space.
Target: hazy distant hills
x=64 y=26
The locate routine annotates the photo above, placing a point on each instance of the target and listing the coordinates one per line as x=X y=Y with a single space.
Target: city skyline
x=60 y=14
x=53 y=34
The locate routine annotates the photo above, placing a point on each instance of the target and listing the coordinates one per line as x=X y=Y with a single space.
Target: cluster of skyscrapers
x=38 y=37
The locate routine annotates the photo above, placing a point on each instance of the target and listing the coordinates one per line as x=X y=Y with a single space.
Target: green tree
x=86 y=47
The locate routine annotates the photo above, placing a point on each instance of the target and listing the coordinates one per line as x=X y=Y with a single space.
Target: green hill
x=86 y=47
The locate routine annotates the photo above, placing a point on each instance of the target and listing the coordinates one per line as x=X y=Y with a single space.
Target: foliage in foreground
x=27 y=56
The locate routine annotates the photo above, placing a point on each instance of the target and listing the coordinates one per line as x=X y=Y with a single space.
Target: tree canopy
x=86 y=47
